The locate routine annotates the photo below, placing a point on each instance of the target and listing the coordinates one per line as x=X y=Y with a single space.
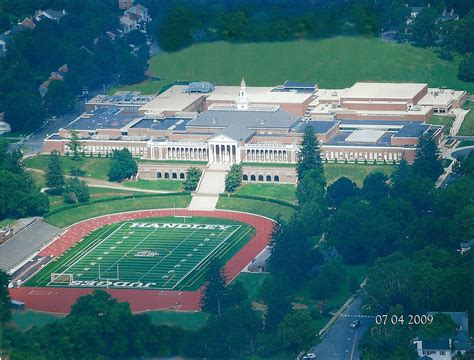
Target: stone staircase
x=211 y=185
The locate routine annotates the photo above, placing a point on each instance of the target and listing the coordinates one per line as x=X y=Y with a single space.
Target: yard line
x=65 y=271
x=223 y=249
x=208 y=255
x=158 y=263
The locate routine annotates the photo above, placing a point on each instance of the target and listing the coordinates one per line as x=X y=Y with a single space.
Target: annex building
x=369 y=122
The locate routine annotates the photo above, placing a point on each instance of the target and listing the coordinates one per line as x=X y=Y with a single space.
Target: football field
x=170 y=253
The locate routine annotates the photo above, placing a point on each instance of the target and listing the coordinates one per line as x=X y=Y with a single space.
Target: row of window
x=267 y=178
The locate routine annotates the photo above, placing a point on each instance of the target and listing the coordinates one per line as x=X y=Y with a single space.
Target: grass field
x=165 y=185
x=332 y=63
x=355 y=172
x=26 y=319
x=95 y=192
x=466 y=143
x=156 y=253
x=467 y=127
x=264 y=208
x=96 y=168
x=446 y=121
x=71 y=216
x=285 y=192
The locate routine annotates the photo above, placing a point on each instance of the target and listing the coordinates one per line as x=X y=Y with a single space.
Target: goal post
x=62 y=278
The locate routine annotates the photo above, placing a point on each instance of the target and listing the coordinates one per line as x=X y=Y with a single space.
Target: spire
x=242 y=102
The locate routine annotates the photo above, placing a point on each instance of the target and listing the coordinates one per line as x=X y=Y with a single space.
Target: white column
x=237 y=154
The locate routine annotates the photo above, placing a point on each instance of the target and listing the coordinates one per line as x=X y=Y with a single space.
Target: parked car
x=355 y=324
x=309 y=356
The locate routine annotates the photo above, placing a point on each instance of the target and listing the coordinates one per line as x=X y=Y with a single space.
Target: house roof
x=238 y=132
x=436 y=344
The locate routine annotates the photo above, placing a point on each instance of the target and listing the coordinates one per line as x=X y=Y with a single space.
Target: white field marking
x=46 y=276
x=146 y=237
x=159 y=262
x=208 y=255
x=88 y=252
x=225 y=252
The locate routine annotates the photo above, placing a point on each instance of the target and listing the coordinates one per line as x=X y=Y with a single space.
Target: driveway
x=341 y=342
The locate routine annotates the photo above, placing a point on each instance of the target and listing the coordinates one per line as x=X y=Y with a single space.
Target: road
x=341 y=342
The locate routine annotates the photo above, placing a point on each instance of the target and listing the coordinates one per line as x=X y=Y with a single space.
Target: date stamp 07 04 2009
x=403 y=320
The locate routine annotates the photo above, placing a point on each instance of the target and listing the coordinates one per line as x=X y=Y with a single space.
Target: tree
x=59 y=99
x=54 y=173
x=466 y=68
x=75 y=145
x=233 y=179
x=342 y=189
x=215 y=296
x=309 y=156
x=76 y=191
x=423 y=30
x=177 y=29
x=297 y=331
x=278 y=305
x=328 y=280
x=375 y=187
x=193 y=175
x=427 y=163
x=122 y=166
x=5 y=297
x=311 y=188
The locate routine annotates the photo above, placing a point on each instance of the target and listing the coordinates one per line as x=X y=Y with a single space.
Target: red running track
x=59 y=300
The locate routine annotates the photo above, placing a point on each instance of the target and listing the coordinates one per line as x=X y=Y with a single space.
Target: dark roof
x=426 y=357
x=376 y=122
x=162 y=124
x=340 y=139
x=102 y=118
x=238 y=132
x=436 y=344
x=298 y=84
x=319 y=127
x=468 y=244
x=412 y=130
x=279 y=119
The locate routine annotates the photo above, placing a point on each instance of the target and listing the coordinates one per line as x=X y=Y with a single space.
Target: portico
x=223 y=149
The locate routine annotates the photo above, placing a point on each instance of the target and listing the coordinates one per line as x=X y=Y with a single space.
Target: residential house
x=448 y=16
x=55 y=75
x=125 y=4
x=446 y=348
x=135 y=18
x=465 y=247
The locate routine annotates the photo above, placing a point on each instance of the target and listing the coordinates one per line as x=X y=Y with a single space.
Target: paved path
x=460 y=115
x=211 y=185
x=341 y=342
x=107 y=184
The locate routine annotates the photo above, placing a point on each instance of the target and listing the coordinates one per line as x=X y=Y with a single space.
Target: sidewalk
x=211 y=185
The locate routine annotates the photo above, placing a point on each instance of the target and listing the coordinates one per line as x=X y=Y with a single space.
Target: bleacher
x=25 y=243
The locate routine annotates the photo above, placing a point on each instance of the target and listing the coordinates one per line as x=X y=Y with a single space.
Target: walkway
x=460 y=115
x=211 y=185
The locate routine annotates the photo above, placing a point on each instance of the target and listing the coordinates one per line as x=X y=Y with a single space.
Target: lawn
x=285 y=192
x=467 y=127
x=332 y=63
x=180 y=162
x=264 y=208
x=165 y=185
x=24 y=320
x=71 y=216
x=259 y=164
x=155 y=253
x=446 y=121
x=355 y=172
x=186 y=320
x=6 y=222
x=94 y=167
x=95 y=192
x=252 y=283
x=466 y=143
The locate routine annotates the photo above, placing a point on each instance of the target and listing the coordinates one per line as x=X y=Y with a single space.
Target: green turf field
x=332 y=63
x=155 y=253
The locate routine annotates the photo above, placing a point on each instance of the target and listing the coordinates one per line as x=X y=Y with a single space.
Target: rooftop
x=178 y=124
x=174 y=99
x=440 y=97
x=102 y=118
x=319 y=127
x=249 y=119
x=363 y=90
x=365 y=136
x=412 y=130
x=258 y=95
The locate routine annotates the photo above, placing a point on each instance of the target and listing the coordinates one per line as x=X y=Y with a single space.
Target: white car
x=309 y=356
